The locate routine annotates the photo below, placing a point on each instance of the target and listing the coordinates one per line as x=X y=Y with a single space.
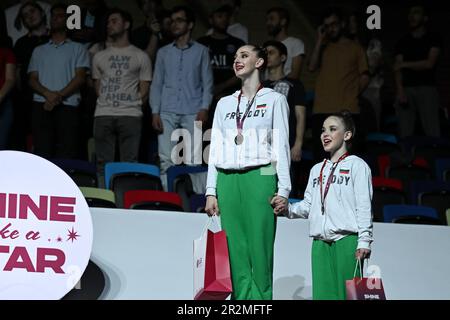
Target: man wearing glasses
x=343 y=75
x=181 y=91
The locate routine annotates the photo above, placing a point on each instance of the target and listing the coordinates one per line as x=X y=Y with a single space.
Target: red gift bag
x=364 y=288
x=212 y=276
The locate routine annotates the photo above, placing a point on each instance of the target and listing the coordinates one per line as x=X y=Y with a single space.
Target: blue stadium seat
x=420 y=187
x=394 y=211
x=83 y=173
x=112 y=168
x=175 y=171
x=441 y=166
x=198 y=203
x=380 y=136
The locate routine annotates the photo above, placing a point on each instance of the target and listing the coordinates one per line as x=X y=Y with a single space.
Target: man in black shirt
x=415 y=64
x=155 y=32
x=33 y=17
x=5 y=40
x=295 y=94
x=222 y=48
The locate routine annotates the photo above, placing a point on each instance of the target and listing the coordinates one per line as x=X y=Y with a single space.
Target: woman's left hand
x=362 y=254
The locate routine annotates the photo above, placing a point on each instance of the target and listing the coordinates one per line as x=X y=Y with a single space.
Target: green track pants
x=249 y=222
x=332 y=264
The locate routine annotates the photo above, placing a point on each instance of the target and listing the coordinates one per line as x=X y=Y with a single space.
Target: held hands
x=212 y=208
x=279 y=204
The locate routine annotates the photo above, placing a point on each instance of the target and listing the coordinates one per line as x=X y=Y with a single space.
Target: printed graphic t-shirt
x=120 y=70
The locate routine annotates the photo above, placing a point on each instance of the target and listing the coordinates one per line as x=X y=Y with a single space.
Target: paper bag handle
x=212 y=219
x=358 y=262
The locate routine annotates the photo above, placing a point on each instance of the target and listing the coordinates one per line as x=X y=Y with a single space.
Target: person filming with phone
x=343 y=74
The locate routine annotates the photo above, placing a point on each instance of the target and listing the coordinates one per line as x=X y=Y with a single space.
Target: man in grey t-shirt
x=122 y=75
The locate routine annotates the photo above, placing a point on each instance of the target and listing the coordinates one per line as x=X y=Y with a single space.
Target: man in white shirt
x=14 y=26
x=277 y=23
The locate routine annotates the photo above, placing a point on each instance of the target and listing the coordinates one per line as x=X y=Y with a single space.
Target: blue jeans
x=6 y=119
x=166 y=147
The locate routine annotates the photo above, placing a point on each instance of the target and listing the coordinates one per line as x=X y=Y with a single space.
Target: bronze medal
x=239 y=139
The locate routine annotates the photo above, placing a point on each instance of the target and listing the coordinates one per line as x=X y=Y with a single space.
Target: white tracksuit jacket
x=266 y=138
x=347 y=206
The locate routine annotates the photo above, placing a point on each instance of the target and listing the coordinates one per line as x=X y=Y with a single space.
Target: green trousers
x=249 y=222
x=332 y=264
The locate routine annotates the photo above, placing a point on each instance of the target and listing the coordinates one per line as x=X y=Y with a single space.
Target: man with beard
x=122 y=75
x=343 y=75
x=14 y=24
x=32 y=16
x=415 y=65
x=235 y=28
x=57 y=70
x=277 y=27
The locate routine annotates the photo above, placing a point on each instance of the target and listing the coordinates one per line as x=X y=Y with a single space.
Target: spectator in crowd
x=5 y=40
x=153 y=34
x=33 y=17
x=277 y=22
x=14 y=23
x=222 y=48
x=181 y=91
x=7 y=80
x=93 y=20
x=374 y=50
x=343 y=75
x=294 y=92
x=89 y=92
x=415 y=64
x=235 y=28
x=57 y=70
x=122 y=73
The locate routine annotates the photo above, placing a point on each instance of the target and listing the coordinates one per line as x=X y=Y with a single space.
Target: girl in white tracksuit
x=248 y=163
x=337 y=201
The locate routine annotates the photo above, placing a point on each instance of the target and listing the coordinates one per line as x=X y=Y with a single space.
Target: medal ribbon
x=239 y=122
x=327 y=187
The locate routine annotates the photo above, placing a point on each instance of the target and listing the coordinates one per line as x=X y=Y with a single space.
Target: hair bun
x=346 y=113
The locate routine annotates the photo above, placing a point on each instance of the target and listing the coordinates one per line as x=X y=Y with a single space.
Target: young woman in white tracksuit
x=337 y=201
x=249 y=163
